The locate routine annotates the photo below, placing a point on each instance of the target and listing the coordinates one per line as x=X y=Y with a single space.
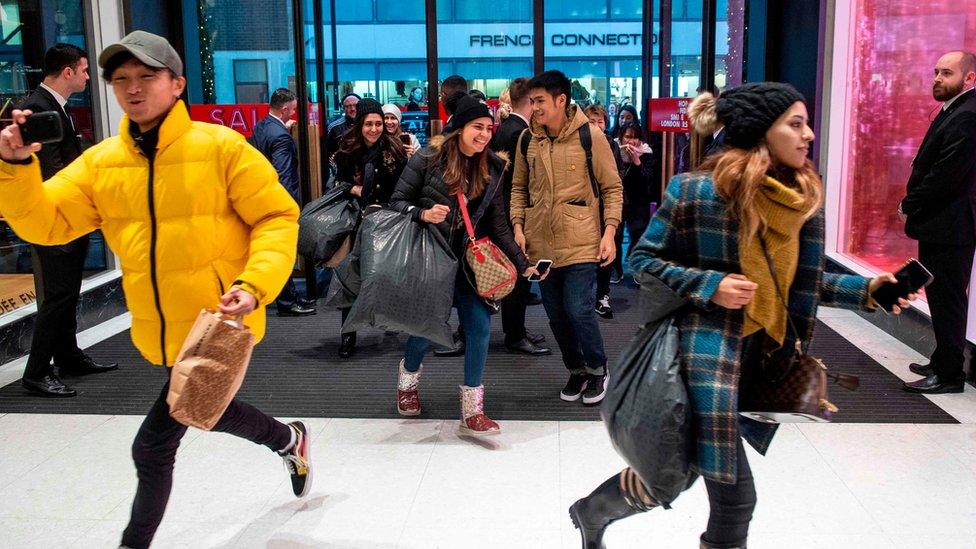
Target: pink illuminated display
x=896 y=45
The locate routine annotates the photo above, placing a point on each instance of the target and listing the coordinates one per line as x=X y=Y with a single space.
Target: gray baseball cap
x=155 y=51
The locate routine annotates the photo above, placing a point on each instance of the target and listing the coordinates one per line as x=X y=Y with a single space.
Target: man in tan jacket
x=566 y=204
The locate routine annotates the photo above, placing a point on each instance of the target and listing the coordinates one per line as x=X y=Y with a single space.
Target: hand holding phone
x=911 y=278
x=42 y=127
x=13 y=146
x=541 y=267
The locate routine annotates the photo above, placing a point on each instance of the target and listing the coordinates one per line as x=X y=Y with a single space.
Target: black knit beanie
x=468 y=109
x=367 y=106
x=749 y=110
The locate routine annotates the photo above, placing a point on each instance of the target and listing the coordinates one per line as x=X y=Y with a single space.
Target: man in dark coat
x=940 y=209
x=338 y=128
x=517 y=339
x=272 y=138
x=58 y=270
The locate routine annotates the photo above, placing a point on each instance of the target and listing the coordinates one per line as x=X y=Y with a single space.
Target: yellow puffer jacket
x=208 y=213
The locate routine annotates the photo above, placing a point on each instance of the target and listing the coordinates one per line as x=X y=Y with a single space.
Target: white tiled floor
x=67 y=481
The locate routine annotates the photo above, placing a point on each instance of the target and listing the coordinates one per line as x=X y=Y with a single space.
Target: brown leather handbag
x=494 y=274
x=793 y=385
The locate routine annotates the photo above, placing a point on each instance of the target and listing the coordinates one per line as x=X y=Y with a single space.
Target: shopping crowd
x=467 y=223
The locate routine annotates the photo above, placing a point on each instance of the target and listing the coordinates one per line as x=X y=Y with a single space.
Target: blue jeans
x=569 y=296
x=476 y=319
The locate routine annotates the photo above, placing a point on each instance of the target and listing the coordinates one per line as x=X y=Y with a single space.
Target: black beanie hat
x=749 y=110
x=468 y=109
x=367 y=106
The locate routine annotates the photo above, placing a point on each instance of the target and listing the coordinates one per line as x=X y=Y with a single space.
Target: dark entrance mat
x=295 y=372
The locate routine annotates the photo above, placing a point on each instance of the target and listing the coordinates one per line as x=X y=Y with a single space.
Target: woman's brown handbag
x=793 y=386
x=494 y=274
x=209 y=369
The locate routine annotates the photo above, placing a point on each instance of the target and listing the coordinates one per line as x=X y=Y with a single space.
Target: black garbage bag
x=407 y=271
x=647 y=413
x=346 y=281
x=326 y=222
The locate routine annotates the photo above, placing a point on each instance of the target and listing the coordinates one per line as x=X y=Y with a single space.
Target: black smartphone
x=42 y=127
x=912 y=277
x=542 y=266
x=405 y=138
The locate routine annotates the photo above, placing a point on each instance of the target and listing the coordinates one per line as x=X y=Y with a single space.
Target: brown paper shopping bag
x=209 y=369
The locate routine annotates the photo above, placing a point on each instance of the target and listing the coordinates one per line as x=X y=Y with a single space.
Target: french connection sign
x=578 y=40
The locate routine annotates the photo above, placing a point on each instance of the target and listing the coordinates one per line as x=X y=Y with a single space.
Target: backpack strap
x=586 y=140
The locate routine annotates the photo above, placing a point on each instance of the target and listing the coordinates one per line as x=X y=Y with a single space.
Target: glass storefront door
x=27 y=30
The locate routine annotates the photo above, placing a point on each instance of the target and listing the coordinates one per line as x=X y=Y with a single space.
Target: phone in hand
x=912 y=277
x=405 y=138
x=42 y=127
x=542 y=266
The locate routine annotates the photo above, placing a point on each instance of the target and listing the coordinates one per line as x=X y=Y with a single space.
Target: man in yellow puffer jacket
x=198 y=220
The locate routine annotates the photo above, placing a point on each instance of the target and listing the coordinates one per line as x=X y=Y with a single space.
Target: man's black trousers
x=154 y=453
x=952 y=267
x=58 y=271
x=513 y=311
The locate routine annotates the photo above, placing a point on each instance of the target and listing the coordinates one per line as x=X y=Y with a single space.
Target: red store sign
x=669 y=114
x=240 y=117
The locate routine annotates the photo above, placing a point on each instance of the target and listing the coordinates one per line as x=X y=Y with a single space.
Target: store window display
x=893 y=50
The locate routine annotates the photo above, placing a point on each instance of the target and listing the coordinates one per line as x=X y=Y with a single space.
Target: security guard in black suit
x=58 y=270
x=517 y=338
x=940 y=211
x=272 y=138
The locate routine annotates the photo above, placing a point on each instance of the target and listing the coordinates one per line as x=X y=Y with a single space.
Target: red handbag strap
x=463 y=202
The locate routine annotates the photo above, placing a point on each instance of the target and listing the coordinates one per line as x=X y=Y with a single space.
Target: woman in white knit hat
x=391 y=119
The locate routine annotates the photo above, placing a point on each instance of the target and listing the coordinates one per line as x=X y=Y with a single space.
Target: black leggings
x=154 y=452
x=731 y=506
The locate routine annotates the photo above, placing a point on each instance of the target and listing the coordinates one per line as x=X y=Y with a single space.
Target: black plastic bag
x=408 y=271
x=647 y=413
x=346 y=281
x=325 y=222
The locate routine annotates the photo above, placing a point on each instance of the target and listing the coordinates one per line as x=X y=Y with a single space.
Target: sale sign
x=239 y=117
x=669 y=114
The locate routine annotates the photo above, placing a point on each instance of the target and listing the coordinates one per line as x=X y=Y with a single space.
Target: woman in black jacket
x=638 y=177
x=371 y=160
x=458 y=162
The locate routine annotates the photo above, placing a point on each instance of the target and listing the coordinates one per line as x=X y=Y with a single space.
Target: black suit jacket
x=54 y=156
x=276 y=144
x=940 y=206
x=506 y=140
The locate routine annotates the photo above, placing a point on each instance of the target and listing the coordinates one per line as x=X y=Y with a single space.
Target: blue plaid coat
x=691 y=244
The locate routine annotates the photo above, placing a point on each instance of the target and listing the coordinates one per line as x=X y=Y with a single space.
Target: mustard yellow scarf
x=782 y=208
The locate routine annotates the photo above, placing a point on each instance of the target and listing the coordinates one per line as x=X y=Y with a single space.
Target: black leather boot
x=347 y=347
x=607 y=504
x=738 y=545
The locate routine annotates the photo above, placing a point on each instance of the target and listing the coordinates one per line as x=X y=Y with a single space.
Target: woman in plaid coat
x=706 y=243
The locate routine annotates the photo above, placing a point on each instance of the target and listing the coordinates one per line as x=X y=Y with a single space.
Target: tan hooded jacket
x=552 y=197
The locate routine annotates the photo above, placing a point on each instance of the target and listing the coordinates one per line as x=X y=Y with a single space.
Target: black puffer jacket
x=421 y=186
x=386 y=168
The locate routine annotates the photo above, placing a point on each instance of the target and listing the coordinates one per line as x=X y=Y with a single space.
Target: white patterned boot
x=408 y=395
x=474 y=422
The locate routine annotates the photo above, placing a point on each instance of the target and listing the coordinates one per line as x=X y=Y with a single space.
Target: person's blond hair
x=738 y=175
x=504 y=105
